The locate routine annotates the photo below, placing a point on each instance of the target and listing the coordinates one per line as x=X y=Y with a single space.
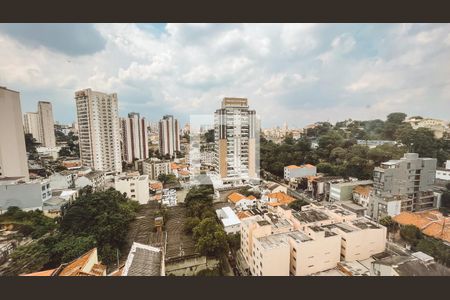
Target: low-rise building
x=374 y=143
x=313 y=240
x=95 y=179
x=135 y=186
x=277 y=199
x=343 y=191
x=432 y=223
x=444 y=173
x=26 y=195
x=154 y=167
x=229 y=220
x=417 y=264
x=144 y=260
x=169 y=197
x=49 y=151
x=294 y=171
x=85 y=265
x=361 y=195
x=62 y=180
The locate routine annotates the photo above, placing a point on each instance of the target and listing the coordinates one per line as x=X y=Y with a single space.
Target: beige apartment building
x=303 y=243
x=13 y=157
x=236 y=131
x=134 y=185
x=99 y=130
x=41 y=124
x=134 y=137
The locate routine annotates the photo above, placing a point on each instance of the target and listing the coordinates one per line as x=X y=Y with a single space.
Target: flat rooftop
x=363 y=223
x=299 y=236
x=310 y=216
x=273 y=241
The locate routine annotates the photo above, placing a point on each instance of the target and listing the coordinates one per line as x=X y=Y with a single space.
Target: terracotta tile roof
x=42 y=273
x=363 y=190
x=173 y=166
x=251 y=197
x=431 y=223
x=243 y=214
x=302 y=166
x=235 y=197
x=281 y=198
x=117 y=272
x=75 y=268
x=156 y=185
x=183 y=172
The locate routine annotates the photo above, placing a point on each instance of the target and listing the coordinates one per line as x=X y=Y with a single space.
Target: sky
x=293 y=73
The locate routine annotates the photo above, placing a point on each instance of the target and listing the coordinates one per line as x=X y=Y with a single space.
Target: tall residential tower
x=13 y=157
x=236 y=135
x=41 y=124
x=169 y=136
x=134 y=137
x=99 y=130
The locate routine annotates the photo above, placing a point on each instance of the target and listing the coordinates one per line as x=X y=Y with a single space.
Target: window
x=310 y=266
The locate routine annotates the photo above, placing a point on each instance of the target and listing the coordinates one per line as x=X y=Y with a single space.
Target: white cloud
x=309 y=71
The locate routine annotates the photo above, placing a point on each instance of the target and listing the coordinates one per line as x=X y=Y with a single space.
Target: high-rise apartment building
x=13 y=156
x=134 y=137
x=169 y=136
x=99 y=130
x=236 y=135
x=41 y=124
x=403 y=185
x=47 y=123
x=32 y=125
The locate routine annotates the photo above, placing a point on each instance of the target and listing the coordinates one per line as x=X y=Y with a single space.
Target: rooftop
x=281 y=199
x=310 y=216
x=273 y=241
x=143 y=260
x=308 y=166
x=430 y=222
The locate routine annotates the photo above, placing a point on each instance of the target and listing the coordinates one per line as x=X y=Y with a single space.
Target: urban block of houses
x=277 y=199
x=230 y=221
x=306 y=242
x=135 y=186
x=85 y=265
x=242 y=202
x=294 y=171
x=432 y=223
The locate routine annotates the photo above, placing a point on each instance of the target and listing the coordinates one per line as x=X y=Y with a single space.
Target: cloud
x=299 y=73
x=70 y=39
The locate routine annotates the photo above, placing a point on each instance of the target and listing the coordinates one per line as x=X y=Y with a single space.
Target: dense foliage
x=208 y=234
x=99 y=219
x=431 y=246
x=338 y=154
x=31 y=223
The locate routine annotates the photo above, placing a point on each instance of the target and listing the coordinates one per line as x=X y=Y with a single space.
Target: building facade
x=13 y=156
x=135 y=186
x=236 y=135
x=169 y=136
x=134 y=137
x=99 y=132
x=41 y=124
x=294 y=171
x=29 y=195
x=403 y=185
x=154 y=167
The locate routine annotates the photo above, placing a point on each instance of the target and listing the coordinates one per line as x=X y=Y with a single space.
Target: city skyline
x=326 y=72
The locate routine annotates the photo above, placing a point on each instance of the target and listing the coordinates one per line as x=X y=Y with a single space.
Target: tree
x=27 y=259
x=389 y=223
x=65 y=151
x=396 y=117
x=411 y=234
x=234 y=241
x=210 y=238
x=209 y=136
x=190 y=224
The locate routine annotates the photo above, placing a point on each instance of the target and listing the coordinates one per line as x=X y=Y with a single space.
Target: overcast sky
x=299 y=73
